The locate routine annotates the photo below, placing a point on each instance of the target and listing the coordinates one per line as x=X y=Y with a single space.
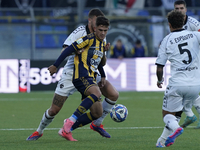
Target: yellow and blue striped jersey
x=86 y=63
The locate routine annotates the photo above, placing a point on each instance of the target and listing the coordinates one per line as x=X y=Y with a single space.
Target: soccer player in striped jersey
x=84 y=74
x=190 y=24
x=181 y=48
x=65 y=88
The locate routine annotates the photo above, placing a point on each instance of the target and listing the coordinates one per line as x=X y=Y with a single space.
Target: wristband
x=160 y=82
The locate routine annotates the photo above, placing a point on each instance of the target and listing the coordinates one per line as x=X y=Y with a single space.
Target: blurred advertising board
x=131 y=74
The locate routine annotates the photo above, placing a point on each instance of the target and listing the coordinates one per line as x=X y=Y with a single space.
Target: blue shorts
x=83 y=84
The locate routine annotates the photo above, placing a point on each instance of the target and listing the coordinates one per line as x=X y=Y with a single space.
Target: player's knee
x=116 y=96
x=113 y=95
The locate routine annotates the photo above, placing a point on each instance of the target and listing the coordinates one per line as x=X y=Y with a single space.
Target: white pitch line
x=87 y=128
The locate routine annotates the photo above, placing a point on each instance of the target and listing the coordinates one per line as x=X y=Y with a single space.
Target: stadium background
x=33 y=31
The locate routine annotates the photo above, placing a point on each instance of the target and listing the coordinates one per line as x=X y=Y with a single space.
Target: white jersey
x=76 y=34
x=191 y=24
x=181 y=48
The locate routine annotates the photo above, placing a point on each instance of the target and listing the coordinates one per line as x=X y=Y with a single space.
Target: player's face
x=181 y=8
x=101 y=32
x=92 y=23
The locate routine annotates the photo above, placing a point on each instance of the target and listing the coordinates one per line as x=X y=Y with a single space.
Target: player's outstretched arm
x=69 y=50
x=53 y=68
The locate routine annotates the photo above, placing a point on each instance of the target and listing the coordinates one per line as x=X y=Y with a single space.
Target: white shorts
x=65 y=86
x=178 y=98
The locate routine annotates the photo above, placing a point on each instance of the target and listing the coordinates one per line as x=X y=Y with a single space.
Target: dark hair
x=138 y=41
x=101 y=20
x=176 y=19
x=178 y=2
x=95 y=12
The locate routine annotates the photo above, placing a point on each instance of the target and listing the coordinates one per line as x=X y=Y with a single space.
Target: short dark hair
x=176 y=19
x=178 y=2
x=101 y=20
x=95 y=12
x=138 y=41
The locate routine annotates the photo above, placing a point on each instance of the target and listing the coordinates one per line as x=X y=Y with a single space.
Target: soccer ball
x=119 y=113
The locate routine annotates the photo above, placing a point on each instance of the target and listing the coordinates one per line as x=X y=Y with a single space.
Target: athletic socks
x=83 y=107
x=171 y=122
x=46 y=120
x=84 y=119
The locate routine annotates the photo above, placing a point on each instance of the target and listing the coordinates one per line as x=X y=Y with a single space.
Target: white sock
x=171 y=122
x=197 y=105
x=46 y=120
x=166 y=132
x=107 y=105
x=189 y=113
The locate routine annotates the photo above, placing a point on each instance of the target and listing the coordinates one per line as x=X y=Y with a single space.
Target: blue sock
x=85 y=105
x=84 y=119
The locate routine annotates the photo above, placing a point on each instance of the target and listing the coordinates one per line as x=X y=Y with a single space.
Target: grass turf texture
x=21 y=114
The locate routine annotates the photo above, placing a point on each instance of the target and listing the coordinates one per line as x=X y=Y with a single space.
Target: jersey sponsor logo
x=187 y=68
x=94 y=63
x=98 y=53
x=79 y=41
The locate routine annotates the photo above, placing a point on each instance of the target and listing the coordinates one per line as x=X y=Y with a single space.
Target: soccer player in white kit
x=190 y=24
x=181 y=48
x=65 y=86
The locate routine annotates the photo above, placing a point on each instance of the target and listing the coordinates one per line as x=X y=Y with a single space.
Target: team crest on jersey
x=24 y=5
x=79 y=41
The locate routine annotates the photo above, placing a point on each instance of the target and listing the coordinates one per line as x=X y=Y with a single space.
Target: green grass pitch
x=21 y=113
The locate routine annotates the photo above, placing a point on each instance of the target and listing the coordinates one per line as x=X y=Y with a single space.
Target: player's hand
x=102 y=82
x=159 y=83
x=107 y=47
x=52 y=69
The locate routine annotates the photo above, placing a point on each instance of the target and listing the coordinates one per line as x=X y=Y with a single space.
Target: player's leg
x=196 y=104
x=48 y=116
x=87 y=87
x=63 y=90
x=190 y=118
x=172 y=125
x=166 y=132
x=172 y=103
x=111 y=96
x=110 y=93
x=88 y=117
x=188 y=96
